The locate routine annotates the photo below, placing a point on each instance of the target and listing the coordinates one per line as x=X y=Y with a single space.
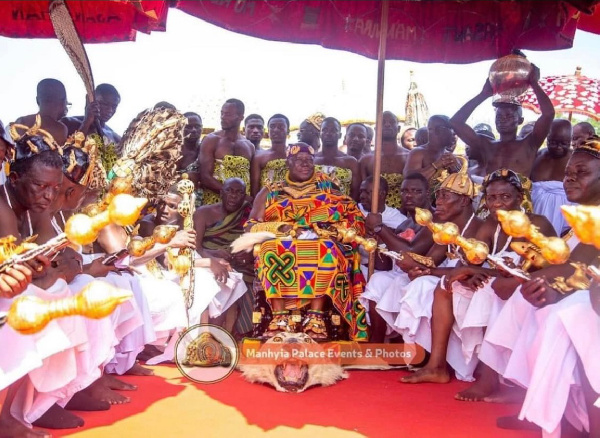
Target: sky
x=197 y=66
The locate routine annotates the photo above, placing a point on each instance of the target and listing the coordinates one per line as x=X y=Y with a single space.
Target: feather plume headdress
x=151 y=147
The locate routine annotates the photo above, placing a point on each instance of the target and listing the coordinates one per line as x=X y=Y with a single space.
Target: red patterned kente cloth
x=298 y=269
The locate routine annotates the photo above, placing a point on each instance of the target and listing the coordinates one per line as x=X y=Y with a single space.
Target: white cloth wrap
x=547 y=198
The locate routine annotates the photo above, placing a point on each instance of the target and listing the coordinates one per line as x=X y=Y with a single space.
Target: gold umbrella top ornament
x=29 y=314
x=516 y=223
x=448 y=233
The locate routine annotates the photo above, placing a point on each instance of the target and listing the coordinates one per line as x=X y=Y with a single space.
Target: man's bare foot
x=507 y=395
x=11 y=428
x=478 y=391
x=58 y=418
x=430 y=375
x=138 y=370
x=513 y=423
x=149 y=352
x=112 y=382
x=82 y=401
x=99 y=391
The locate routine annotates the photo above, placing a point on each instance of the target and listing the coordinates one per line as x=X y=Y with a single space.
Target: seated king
x=305 y=266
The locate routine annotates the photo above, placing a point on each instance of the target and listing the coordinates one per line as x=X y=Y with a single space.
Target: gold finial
x=124 y=210
x=448 y=233
x=517 y=224
x=30 y=314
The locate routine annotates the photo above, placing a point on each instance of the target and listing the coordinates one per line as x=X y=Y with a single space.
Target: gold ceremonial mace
x=515 y=223
x=29 y=314
x=448 y=233
x=585 y=222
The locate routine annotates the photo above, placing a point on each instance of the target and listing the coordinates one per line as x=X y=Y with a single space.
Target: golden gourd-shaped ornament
x=448 y=233
x=124 y=210
x=29 y=314
x=516 y=223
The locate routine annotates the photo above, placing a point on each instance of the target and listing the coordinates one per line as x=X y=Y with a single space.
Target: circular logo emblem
x=206 y=353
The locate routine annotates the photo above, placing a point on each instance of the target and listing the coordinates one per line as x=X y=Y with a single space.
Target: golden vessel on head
x=509 y=77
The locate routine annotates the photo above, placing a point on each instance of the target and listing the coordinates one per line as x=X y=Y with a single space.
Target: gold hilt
x=530 y=254
x=448 y=233
x=29 y=314
x=350 y=235
x=517 y=224
x=10 y=253
x=124 y=210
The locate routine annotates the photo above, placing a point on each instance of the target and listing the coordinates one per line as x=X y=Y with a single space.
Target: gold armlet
x=271 y=227
x=427 y=261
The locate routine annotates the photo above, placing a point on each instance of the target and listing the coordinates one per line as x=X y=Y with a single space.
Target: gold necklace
x=297 y=190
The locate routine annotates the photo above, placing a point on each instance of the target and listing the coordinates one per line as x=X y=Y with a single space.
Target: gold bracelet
x=271 y=227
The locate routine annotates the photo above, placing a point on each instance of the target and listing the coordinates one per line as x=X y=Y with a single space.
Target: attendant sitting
x=391 y=217
x=381 y=299
x=217 y=226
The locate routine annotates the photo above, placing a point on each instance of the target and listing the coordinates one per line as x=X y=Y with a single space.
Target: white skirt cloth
x=548 y=197
x=564 y=341
x=473 y=312
x=66 y=354
x=208 y=294
x=133 y=343
x=386 y=289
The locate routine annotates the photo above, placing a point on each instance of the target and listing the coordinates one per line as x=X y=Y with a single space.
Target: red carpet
x=370 y=403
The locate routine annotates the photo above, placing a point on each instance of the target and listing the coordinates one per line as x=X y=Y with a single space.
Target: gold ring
x=39 y=268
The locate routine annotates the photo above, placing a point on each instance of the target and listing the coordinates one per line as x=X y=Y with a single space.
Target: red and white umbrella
x=569 y=94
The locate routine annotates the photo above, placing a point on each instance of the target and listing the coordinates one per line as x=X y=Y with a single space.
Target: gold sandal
x=314 y=325
x=280 y=323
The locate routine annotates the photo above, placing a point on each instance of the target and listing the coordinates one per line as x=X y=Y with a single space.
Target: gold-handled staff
x=137 y=247
x=448 y=233
x=29 y=314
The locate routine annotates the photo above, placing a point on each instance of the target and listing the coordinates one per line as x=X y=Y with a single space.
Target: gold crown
x=460 y=183
x=25 y=144
x=591 y=146
x=88 y=145
x=316 y=120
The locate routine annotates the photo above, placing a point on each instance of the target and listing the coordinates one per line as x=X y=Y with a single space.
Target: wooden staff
x=385 y=7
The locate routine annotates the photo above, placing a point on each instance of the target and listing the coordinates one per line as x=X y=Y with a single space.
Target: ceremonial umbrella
x=95 y=21
x=424 y=31
x=416 y=109
x=569 y=94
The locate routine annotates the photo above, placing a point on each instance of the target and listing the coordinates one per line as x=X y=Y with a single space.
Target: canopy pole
x=385 y=7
